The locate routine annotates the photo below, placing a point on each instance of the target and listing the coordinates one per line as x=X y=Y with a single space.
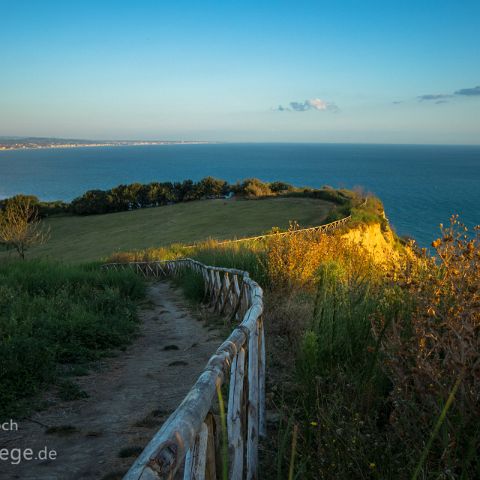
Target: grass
x=54 y=317
x=349 y=363
x=351 y=368
x=342 y=401
x=76 y=238
x=68 y=391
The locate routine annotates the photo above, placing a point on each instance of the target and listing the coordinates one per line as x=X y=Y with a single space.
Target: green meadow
x=87 y=238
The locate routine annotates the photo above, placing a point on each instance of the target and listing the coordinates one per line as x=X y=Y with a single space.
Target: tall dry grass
x=366 y=359
x=292 y=261
x=386 y=361
x=438 y=345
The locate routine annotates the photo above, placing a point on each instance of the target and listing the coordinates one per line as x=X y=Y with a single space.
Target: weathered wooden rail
x=328 y=227
x=189 y=440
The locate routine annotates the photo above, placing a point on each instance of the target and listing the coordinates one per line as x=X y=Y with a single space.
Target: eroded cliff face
x=378 y=242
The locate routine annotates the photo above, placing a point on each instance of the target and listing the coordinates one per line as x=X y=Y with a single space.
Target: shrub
x=253 y=188
x=281 y=187
x=438 y=346
x=368 y=212
x=20 y=227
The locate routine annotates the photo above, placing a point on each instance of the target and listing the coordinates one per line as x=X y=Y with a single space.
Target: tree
x=91 y=202
x=184 y=191
x=20 y=198
x=211 y=187
x=253 y=187
x=20 y=226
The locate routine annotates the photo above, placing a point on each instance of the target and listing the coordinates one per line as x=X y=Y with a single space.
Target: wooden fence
x=328 y=227
x=190 y=439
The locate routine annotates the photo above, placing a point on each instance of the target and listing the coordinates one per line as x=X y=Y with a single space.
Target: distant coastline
x=17 y=143
x=441 y=179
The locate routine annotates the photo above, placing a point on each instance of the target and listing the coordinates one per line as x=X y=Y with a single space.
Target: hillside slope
x=76 y=238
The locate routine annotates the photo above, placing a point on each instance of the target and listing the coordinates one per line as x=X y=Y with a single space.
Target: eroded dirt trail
x=129 y=398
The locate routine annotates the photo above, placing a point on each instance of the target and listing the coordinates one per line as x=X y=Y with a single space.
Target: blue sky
x=343 y=71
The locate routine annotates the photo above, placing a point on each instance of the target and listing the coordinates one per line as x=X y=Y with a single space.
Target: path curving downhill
x=129 y=398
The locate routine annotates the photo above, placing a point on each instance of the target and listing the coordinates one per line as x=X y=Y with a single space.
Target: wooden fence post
x=210 y=467
x=261 y=379
x=252 y=421
x=236 y=402
x=195 y=461
x=185 y=440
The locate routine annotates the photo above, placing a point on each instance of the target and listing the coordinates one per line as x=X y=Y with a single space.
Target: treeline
x=42 y=209
x=137 y=195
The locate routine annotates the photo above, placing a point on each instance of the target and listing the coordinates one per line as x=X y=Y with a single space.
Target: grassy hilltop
x=86 y=238
x=49 y=305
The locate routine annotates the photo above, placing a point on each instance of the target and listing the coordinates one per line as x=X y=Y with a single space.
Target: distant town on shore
x=24 y=143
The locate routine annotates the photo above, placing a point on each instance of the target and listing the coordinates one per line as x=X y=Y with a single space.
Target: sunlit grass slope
x=93 y=237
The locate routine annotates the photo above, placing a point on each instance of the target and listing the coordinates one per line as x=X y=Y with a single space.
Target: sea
x=421 y=186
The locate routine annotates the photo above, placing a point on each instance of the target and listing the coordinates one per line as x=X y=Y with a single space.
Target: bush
x=368 y=212
x=281 y=187
x=436 y=349
x=253 y=188
x=379 y=359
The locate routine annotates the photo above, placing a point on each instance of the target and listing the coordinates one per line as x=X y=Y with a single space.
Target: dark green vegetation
x=42 y=209
x=137 y=195
x=76 y=238
x=54 y=318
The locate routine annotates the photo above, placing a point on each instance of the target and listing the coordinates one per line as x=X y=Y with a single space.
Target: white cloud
x=312 y=104
x=317 y=104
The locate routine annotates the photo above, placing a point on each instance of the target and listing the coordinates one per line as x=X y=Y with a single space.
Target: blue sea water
x=420 y=185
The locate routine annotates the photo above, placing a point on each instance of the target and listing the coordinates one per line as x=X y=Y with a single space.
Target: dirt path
x=128 y=399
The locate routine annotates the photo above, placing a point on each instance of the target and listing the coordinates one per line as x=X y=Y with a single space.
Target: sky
x=242 y=71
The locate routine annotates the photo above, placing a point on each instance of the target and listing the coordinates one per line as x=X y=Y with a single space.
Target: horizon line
x=220 y=142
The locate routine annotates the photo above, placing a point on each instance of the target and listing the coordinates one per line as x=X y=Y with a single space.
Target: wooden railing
x=188 y=441
x=328 y=227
